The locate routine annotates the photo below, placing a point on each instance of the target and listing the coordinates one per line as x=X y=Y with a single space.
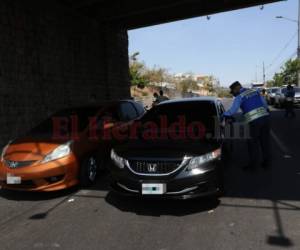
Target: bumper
x=180 y=185
x=52 y=176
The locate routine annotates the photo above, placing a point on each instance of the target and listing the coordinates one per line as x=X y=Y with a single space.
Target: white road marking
x=281 y=145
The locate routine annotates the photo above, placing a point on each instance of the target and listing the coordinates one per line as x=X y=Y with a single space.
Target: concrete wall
x=52 y=57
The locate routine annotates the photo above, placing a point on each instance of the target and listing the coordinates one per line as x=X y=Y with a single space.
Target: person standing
x=155 y=99
x=257 y=117
x=289 y=101
x=162 y=97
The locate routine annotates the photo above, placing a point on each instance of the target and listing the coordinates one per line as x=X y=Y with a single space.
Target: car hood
x=137 y=149
x=30 y=149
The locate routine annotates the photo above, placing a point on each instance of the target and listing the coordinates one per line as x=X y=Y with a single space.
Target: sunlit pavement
x=261 y=210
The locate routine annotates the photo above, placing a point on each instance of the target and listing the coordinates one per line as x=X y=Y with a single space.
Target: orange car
x=66 y=149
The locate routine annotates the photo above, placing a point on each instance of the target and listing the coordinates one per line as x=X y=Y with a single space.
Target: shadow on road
x=35 y=196
x=158 y=207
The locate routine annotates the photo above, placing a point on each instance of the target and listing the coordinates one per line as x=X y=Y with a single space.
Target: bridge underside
x=136 y=13
x=60 y=53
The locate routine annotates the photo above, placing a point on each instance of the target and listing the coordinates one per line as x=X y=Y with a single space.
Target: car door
x=220 y=111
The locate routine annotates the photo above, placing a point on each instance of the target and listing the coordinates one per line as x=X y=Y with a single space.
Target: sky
x=230 y=46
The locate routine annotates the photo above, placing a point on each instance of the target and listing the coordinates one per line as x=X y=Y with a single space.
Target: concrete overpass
x=60 y=53
x=135 y=13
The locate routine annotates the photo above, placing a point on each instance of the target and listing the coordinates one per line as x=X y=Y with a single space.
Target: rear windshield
x=193 y=111
x=81 y=115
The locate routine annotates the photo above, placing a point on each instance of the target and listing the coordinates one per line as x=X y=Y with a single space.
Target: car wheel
x=88 y=171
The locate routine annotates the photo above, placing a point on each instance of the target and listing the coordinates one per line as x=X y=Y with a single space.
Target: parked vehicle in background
x=271 y=92
x=160 y=166
x=297 y=96
x=63 y=151
x=279 y=98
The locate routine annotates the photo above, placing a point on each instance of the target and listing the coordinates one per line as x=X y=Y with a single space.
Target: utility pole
x=264 y=73
x=298 y=49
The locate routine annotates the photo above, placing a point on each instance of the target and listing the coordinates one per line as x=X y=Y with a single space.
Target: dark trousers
x=259 y=141
x=289 y=109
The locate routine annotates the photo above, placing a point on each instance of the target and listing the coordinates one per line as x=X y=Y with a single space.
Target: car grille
x=18 y=164
x=154 y=167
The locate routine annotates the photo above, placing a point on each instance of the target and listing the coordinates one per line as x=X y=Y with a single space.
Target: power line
x=282 y=50
x=281 y=64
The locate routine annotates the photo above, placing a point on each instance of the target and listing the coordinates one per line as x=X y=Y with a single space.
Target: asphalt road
x=261 y=210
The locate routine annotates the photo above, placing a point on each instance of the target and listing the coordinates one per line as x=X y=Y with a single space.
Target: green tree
x=208 y=84
x=156 y=74
x=187 y=85
x=288 y=73
x=137 y=71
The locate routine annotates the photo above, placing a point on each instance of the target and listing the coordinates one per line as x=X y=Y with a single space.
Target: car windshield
x=192 y=111
x=274 y=90
x=80 y=115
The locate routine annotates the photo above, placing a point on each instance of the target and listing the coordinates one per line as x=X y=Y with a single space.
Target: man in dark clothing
x=289 y=101
x=256 y=114
x=162 y=97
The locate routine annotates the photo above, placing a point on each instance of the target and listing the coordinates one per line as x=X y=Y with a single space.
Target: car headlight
x=60 y=152
x=3 y=152
x=118 y=160
x=196 y=162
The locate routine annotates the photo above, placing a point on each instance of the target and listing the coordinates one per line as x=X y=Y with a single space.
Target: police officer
x=162 y=97
x=256 y=114
x=289 y=101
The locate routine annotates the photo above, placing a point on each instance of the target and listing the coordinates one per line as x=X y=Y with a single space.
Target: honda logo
x=12 y=164
x=152 y=167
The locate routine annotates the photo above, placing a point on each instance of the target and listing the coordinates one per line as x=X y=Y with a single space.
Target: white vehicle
x=280 y=98
x=271 y=92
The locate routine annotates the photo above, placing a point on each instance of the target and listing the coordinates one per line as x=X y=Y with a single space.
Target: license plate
x=13 y=180
x=154 y=188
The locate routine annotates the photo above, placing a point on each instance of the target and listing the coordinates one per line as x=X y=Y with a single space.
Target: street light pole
x=298 y=47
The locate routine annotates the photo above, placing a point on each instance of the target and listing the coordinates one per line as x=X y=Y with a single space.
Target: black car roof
x=191 y=99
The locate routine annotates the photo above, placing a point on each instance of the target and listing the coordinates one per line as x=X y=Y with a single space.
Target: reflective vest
x=252 y=105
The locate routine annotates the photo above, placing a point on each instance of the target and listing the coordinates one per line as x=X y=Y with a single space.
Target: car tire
x=88 y=171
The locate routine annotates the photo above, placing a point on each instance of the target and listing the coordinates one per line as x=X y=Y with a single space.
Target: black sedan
x=173 y=151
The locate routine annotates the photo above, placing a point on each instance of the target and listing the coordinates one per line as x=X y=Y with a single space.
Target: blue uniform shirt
x=238 y=101
x=290 y=93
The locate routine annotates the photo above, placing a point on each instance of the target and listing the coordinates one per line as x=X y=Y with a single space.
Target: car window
x=127 y=111
x=109 y=114
x=204 y=112
x=140 y=108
